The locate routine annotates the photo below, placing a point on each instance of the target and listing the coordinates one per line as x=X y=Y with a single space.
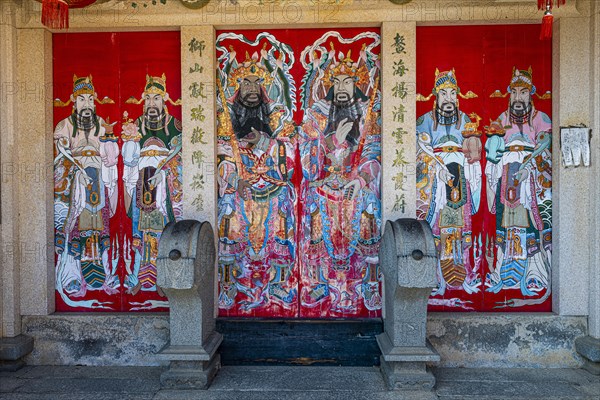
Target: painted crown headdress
x=82 y=85
x=250 y=66
x=154 y=85
x=522 y=78
x=445 y=80
x=345 y=66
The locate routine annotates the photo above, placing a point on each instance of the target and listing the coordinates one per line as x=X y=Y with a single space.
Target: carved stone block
x=408 y=260
x=185 y=267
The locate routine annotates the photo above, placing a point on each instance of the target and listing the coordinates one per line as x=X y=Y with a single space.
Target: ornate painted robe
x=341 y=234
x=152 y=206
x=257 y=234
x=447 y=206
x=522 y=207
x=85 y=199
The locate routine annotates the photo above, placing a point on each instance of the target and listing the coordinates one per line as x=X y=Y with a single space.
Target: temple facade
x=297 y=129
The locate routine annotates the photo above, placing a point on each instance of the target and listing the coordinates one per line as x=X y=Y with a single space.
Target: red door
x=299 y=173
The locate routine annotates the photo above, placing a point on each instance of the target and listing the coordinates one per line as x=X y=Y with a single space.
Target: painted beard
x=248 y=116
x=342 y=99
x=446 y=117
x=251 y=100
x=86 y=119
x=153 y=118
x=520 y=111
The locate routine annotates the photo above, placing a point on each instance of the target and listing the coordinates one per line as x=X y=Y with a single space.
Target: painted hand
x=85 y=179
x=253 y=137
x=351 y=189
x=343 y=129
x=244 y=189
x=521 y=175
x=155 y=179
x=445 y=175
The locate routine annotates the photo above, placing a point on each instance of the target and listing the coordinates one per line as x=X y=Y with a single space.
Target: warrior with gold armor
x=153 y=179
x=341 y=154
x=519 y=181
x=85 y=172
x=449 y=180
x=256 y=199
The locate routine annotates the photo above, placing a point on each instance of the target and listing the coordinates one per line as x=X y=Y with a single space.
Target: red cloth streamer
x=548 y=18
x=55 y=14
x=546 y=32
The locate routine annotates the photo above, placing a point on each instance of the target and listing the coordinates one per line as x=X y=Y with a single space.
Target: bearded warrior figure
x=153 y=180
x=256 y=198
x=85 y=188
x=449 y=181
x=341 y=154
x=519 y=180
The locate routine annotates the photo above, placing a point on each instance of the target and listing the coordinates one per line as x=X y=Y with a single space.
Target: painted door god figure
x=341 y=161
x=256 y=199
x=518 y=172
x=153 y=180
x=85 y=187
x=449 y=181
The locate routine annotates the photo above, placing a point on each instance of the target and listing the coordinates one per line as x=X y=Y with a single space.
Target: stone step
x=296 y=382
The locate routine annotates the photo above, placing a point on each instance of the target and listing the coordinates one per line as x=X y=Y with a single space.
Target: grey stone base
x=191 y=367
x=11 y=366
x=405 y=367
x=13 y=350
x=406 y=375
x=466 y=340
x=511 y=340
x=125 y=339
x=589 y=348
x=188 y=375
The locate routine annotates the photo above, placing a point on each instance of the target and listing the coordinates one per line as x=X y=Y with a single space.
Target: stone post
x=13 y=345
x=589 y=346
x=185 y=268
x=408 y=260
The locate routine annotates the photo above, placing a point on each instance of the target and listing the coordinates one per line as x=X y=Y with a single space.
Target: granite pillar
x=13 y=345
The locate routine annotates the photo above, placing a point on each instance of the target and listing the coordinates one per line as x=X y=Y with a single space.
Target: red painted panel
x=517 y=231
x=268 y=272
x=116 y=64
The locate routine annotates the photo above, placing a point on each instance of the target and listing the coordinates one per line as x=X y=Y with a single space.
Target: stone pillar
x=571 y=207
x=594 y=192
x=185 y=271
x=589 y=346
x=408 y=260
x=199 y=151
x=398 y=113
x=13 y=345
x=198 y=118
x=34 y=150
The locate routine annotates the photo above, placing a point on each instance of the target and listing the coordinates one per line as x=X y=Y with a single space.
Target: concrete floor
x=264 y=383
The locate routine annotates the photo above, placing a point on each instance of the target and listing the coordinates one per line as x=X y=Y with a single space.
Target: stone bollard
x=408 y=260
x=185 y=272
